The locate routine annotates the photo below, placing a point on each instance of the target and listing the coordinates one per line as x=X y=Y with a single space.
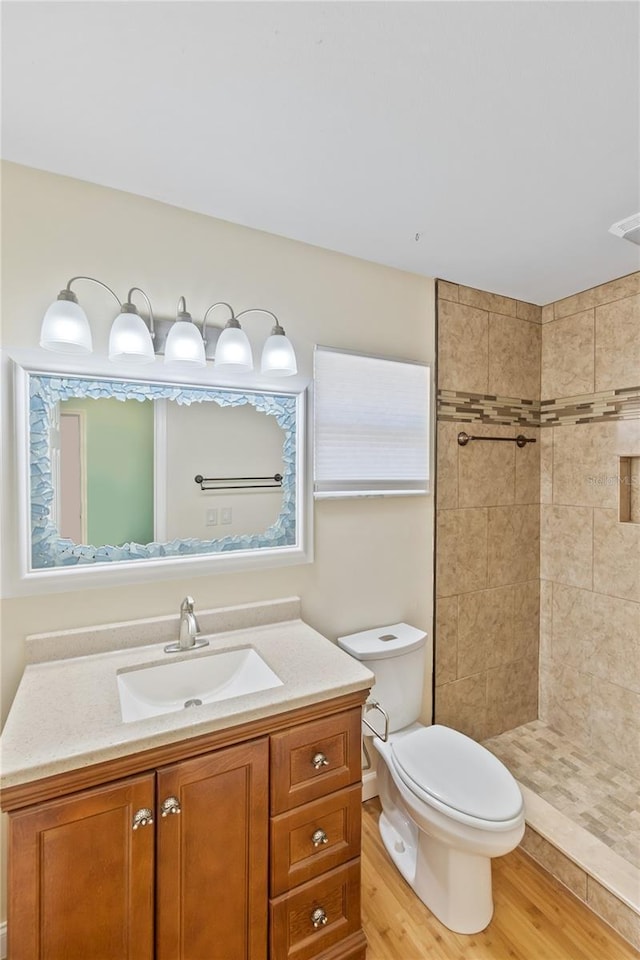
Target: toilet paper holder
x=374 y=705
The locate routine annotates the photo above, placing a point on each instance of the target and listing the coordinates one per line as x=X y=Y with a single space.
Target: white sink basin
x=182 y=684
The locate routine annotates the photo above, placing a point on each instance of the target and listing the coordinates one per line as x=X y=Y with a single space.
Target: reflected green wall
x=119 y=465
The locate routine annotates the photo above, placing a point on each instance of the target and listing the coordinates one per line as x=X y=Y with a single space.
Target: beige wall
x=373 y=558
x=590 y=561
x=218 y=441
x=487 y=546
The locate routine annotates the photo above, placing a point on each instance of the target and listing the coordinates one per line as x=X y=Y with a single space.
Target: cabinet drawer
x=315 y=759
x=315 y=837
x=332 y=903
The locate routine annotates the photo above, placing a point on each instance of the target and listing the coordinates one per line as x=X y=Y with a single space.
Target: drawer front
x=315 y=837
x=316 y=915
x=315 y=759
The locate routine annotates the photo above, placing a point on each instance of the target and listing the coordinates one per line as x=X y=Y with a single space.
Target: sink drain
x=193 y=703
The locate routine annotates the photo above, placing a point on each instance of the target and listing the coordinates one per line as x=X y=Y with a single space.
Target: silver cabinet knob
x=318 y=837
x=142 y=818
x=319 y=760
x=319 y=918
x=170 y=806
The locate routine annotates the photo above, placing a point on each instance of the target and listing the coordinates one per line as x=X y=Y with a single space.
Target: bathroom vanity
x=227 y=831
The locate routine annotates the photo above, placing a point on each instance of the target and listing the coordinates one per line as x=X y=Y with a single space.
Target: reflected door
x=73 y=494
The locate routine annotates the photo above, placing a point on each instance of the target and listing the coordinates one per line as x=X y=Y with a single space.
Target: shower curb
x=606 y=883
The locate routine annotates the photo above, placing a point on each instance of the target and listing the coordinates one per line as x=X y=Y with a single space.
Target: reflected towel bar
x=238 y=483
x=463 y=439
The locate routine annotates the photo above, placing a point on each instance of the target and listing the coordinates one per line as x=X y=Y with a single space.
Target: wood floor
x=535 y=917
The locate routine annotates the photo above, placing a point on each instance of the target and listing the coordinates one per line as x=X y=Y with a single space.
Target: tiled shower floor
x=598 y=795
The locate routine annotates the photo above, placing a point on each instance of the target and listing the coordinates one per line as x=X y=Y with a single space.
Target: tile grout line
x=594 y=349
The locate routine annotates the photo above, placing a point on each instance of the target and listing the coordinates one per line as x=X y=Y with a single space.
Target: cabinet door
x=212 y=856
x=81 y=878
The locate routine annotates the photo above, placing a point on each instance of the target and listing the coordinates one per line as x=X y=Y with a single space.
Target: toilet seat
x=458 y=776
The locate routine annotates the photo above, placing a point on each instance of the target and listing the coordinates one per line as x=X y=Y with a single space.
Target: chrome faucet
x=189 y=630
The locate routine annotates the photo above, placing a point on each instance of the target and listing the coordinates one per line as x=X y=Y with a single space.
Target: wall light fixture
x=65 y=329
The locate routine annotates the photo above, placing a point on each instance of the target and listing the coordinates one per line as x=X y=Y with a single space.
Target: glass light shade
x=65 y=328
x=130 y=339
x=278 y=356
x=234 y=350
x=184 y=344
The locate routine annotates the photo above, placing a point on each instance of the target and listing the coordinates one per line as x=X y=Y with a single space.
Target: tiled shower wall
x=488 y=510
x=567 y=374
x=590 y=561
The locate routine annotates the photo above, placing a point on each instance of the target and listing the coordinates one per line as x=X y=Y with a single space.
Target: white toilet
x=448 y=805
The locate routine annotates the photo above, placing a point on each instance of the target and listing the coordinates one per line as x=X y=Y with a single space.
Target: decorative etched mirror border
x=45 y=557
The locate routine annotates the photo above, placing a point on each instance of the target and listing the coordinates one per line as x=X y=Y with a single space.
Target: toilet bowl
x=447 y=811
x=448 y=805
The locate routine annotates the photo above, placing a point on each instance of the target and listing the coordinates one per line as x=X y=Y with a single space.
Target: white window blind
x=371 y=425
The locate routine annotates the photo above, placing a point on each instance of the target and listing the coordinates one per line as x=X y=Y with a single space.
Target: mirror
x=123 y=472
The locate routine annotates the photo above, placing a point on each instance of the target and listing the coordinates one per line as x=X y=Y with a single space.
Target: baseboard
x=369 y=785
x=3 y=940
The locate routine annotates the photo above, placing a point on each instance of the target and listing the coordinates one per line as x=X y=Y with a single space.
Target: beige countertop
x=66 y=714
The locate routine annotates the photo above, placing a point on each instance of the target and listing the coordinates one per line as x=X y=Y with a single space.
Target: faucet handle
x=186 y=609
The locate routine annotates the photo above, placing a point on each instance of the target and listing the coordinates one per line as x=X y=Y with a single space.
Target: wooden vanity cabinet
x=81 y=883
x=316 y=796
x=108 y=874
x=234 y=845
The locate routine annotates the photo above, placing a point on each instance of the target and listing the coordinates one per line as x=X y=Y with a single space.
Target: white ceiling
x=504 y=134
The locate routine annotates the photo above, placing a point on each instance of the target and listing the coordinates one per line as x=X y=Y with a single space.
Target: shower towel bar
x=238 y=483
x=463 y=439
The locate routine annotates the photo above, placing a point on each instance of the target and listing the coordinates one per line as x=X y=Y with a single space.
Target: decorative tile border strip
x=592 y=408
x=486 y=408
x=464 y=407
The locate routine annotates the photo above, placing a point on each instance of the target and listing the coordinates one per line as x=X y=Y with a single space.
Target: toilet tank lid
x=383 y=642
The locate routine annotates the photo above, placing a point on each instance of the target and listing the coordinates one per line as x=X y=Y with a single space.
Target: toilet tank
x=395 y=655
